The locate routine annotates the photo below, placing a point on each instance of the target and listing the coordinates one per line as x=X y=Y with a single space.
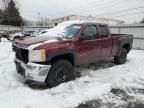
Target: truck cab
x=94 y=43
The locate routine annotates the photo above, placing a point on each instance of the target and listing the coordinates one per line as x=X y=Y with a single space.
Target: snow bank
x=93 y=84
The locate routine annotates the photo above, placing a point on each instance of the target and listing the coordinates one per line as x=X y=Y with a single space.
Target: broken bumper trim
x=33 y=71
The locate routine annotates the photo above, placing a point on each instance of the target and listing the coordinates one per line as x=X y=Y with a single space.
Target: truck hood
x=36 y=39
x=27 y=42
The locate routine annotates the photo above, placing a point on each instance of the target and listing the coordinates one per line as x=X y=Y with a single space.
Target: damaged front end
x=30 y=70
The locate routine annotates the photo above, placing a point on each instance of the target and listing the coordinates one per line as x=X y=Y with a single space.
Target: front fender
x=52 y=55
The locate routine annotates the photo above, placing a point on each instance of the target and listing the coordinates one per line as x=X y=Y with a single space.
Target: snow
x=93 y=84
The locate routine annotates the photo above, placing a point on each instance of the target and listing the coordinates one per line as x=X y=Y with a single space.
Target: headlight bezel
x=37 y=55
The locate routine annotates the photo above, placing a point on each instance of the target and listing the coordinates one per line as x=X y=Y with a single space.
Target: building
x=88 y=18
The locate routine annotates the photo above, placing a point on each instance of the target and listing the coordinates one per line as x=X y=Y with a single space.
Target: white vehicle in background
x=44 y=31
x=41 y=32
x=8 y=34
x=19 y=35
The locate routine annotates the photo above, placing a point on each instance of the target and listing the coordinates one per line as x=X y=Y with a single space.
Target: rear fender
x=122 y=43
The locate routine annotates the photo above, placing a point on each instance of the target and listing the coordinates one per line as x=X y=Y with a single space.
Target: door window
x=90 y=33
x=103 y=31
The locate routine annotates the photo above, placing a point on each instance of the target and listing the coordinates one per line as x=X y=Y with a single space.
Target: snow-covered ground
x=109 y=83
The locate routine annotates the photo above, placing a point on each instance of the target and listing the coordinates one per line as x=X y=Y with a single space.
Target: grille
x=21 y=54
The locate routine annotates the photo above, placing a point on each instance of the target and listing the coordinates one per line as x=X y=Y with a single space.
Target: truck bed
x=122 y=35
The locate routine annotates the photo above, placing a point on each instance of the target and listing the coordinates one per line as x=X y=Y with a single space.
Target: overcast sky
x=31 y=9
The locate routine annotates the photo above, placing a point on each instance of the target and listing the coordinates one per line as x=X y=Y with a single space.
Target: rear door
x=105 y=41
x=88 y=46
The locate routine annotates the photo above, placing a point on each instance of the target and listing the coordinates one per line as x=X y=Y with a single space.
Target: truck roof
x=79 y=22
x=61 y=27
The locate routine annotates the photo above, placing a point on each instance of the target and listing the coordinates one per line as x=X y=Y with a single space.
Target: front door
x=88 y=48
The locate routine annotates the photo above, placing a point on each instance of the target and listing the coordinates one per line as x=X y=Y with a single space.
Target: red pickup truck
x=51 y=57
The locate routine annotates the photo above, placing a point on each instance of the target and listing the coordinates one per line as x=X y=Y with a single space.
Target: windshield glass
x=67 y=31
x=70 y=31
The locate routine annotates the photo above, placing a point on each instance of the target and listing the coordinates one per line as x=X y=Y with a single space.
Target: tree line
x=9 y=13
x=142 y=21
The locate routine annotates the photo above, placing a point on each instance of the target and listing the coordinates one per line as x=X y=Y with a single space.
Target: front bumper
x=33 y=71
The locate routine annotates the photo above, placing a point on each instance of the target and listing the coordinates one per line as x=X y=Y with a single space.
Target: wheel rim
x=61 y=75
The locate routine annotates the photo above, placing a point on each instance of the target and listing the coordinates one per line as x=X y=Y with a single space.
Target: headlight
x=37 y=55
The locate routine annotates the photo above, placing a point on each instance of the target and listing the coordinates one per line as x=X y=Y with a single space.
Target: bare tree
x=1 y=15
x=11 y=14
x=142 y=21
x=5 y=7
x=4 y=4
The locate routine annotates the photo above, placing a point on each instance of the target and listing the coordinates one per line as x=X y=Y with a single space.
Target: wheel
x=8 y=38
x=122 y=58
x=5 y=36
x=61 y=71
x=17 y=37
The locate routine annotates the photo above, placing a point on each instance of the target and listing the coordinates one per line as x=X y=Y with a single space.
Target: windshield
x=67 y=31
x=70 y=31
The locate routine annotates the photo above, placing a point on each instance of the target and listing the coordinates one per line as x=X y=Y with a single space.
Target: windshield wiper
x=61 y=35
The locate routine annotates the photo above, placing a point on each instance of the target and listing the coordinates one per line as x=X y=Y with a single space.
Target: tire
x=122 y=58
x=17 y=37
x=61 y=71
x=5 y=36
